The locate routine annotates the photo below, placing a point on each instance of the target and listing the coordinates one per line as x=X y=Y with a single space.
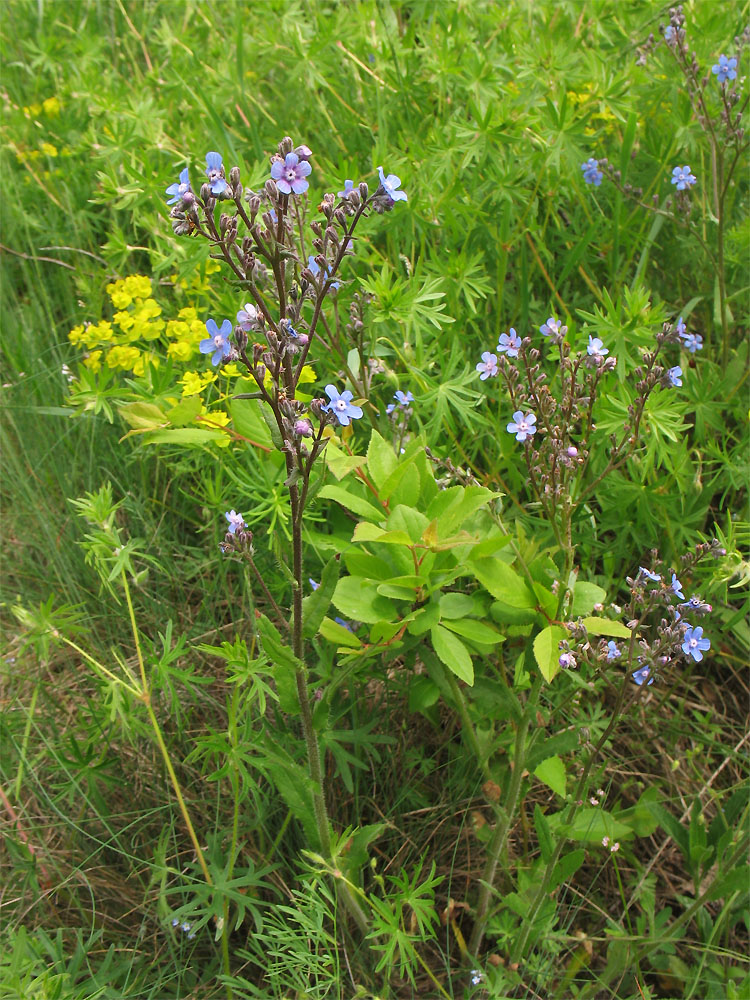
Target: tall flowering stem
x=261 y=237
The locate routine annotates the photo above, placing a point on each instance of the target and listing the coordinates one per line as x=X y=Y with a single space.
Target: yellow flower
x=48 y=149
x=188 y=313
x=212 y=266
x=231 y=370
x=121 y=298
x=122 y=357
x=151 y=331
x=215 y=420
x=181 y=350
x=124 y=320
x=76 y=335
x=51 y=106
x=139 y=286
x=177 y=330
x=191 y=383
x=92 y=361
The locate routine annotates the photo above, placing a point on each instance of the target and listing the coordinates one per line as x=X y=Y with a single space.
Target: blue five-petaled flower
x=291 y=174
x=677 y=588
x=725 y=69
x=487 y=367
x=215 y=173
x=341 y=405
x=348 y=189
x=596 y=348
x=552 y=326
x=675 y=376
x=178 y=191
x=236 y=521
x=682 y=178
x=642 y=675
x=218 y=342
x=390 y=185
x=612 y=650
x=522 y=426
x=402 y=399
x=591 y=172
x=694 y=643
x=691 y=342
x=509 y=343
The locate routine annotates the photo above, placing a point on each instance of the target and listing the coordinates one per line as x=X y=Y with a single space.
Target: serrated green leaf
x=190 y=436
x=365 y=531
x=185 y=412
x=359 y=599
x=552 y=772
x=143 y=416
x=334 y=632
x=547 y=651
x=502 y=582
x=585 y=596
x=605 y=626
x=248 y=421
x=476 y=631
x=352 y=502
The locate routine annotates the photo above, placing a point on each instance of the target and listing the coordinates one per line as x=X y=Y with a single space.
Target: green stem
x=502 y=827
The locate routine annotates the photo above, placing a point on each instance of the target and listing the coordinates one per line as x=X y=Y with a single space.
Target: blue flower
x=642 y=675
x=175 y=921
x=348 y=189
x=694 y=644
x=669 y=34
x=697 y=605
x=510 y=343
x=390 y=185
x=291 y=174
x=522 y=426
x=680 y=326
x=567 y=661
x=247 y=317
x=236 y=521
x=691 y=342
x=218 y=342
x=596 y=348
x=612 y=651
x=553 y=327
x=642 y=571
x=313 y=583
x=677 y=588
x=178 y=191
x=682 y=177
x=591 y=172
x=341 y=406
x=725 y=69
x=314 y=266
x=487 y=367
x=402 y=399
x=215 y=173
x=675 y=376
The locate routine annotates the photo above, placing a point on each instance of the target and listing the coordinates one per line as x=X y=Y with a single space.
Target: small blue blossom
x=596 y=348
x=553 y=327
x=487 y=367
x=390 y=185
x=591 y=172
x=642 y=571
x=178 y=191
x=236 y=521
x=476 y=977
x=402 y=399
x=695 y=644
x=215 y=173
x=642 y=675
x=682 y=178
x=697 y=605
x=725 y=69
x=669 y=34
x=175 y=921
x=185 y=927
x=341 y=406
x=522 y=426
x=677 y=588
x=566 y=661
x=348 y=189
x=344 y=624
x=314 y=266
x=509 y=343
x=692 y=342
x=218 y=341
x=247 y=317
x=680 y=326
x=313 y=583
x=612 y=651
x=291 y=174
x=675 y=376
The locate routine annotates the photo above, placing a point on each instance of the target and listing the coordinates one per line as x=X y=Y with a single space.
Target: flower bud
x=303 y=428
x=285 y=146
x=303 y=152
x=234 y=176
x=363 y=190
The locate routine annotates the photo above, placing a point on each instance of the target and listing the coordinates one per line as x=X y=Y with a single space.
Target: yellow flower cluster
x=51 y=106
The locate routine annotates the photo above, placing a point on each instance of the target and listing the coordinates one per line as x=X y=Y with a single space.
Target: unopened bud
x=303 y=428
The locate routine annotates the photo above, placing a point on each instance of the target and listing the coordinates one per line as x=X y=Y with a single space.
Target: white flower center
x=291 y=174
x=340 y=404
x=219 y=340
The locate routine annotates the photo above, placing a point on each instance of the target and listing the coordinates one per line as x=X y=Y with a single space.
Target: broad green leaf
x=143 y=416
x=381 y=460
x=423 y=693
x=566 y=867
x=359 y=599
x=604 y=626
x=334 y=632
x=365 y=531
x=585 y=596
x=456 y=605
x=552 y=772
x=413 y=522
x=315 y=605
x=590 y=825
x=352 y=502
x=405 y=470
x=190 y=436
x=476 y=631
x=547 y=650
x=339 y=462
x=502 y=582
x=185 y=412
x=248 y=421
x=424 y=618
x=453 y=653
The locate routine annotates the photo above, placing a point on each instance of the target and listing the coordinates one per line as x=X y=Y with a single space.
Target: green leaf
x=315 y=605
x=590 y=825
x=423 y=693
x=547 y=651
x=546 y=843
x=285 y=664
x=502 y=582
x=605 y=626
x=413 y=522
x=453 y=653
x=356 y=504
x=585 y=596
x=359 y=599
x=273 y=428
x=190 y=436
x=248 y=421
x=334 y=632
x=340 y=463
x=566 y=867
x=381 y=460
x=476 y=631
x=185 y=412
x=424 y=618
x=456 y=605
x=365 y=531
x=143 y=416
x=552 y=772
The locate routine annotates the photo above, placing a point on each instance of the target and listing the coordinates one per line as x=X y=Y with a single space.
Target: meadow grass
x=486 y=112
